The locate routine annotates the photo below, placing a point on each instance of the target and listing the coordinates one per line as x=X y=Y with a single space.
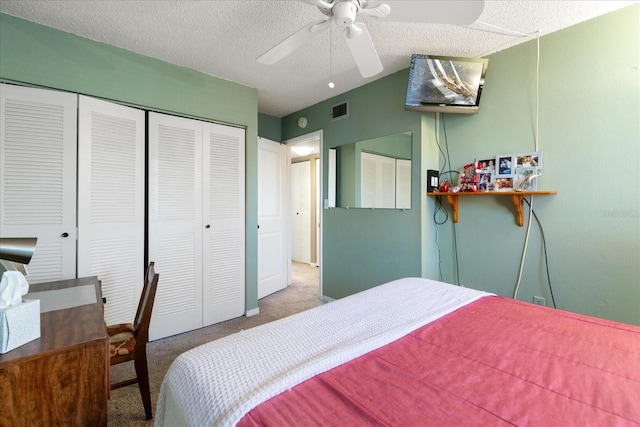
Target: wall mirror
x=375 y=173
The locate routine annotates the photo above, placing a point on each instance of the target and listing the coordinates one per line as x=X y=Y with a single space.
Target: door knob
x=65 y=234
x=207 y=226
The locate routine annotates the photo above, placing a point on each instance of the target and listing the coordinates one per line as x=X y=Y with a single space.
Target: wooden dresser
x=61 y=378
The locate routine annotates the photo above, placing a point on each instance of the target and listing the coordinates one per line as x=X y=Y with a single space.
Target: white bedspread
x=216 y=384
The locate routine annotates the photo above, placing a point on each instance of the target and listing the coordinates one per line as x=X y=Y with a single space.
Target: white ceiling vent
x=340 y=111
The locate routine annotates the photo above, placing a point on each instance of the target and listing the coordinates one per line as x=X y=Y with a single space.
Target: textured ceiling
x=223 y=38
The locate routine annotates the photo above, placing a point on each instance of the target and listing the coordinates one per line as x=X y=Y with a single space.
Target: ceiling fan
x=344 y=14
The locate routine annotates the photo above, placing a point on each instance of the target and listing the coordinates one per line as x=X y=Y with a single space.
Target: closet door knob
x=65 y=234
x=207 y=226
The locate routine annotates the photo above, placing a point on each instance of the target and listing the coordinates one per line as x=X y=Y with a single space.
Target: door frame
x=290 y=142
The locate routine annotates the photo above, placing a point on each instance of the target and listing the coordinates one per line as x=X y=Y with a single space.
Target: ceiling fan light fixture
x=344 y=13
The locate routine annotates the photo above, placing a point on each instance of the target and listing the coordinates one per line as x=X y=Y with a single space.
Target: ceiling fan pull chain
x=331 y=85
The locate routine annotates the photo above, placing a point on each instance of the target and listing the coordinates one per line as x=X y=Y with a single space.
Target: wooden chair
x=129 y=341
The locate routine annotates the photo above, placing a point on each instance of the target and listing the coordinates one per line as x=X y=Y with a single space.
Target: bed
x=412 y=352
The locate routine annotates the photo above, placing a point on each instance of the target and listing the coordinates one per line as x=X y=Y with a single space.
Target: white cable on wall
x=536 y=142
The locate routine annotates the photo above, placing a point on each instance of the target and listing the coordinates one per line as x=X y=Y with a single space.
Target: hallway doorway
x=305 y=278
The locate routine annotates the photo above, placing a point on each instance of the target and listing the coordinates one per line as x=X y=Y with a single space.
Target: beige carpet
x=125 y=405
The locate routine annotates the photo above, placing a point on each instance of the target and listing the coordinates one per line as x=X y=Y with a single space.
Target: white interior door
x=175 y=222
x=301 y=211
x=318 y=196
x=223 y=200
x=111 y=203
x=273 y=217
x=38 y=155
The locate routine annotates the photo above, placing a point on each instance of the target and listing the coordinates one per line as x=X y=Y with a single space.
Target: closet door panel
x=111 y=203
x=368 y=180
x=387 y=182
x=38 y=176
x=175 y=223
x=224 y=223
x=403 y=184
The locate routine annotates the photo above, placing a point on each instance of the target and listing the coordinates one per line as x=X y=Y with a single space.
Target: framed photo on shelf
x=529 y=160
x=506 y=164
x=504 y=182
x=484 y=181
x=522 y=174
x=487 y=165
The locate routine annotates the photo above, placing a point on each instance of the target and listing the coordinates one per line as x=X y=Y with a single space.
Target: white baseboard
x=326 y=298
x=252 y=312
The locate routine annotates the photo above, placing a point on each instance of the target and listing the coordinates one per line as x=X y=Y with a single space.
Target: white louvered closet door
x=368 y=180
x=38 y=176
x=403 y=184
x=224 y=219
x=175 y=223
x=378 y=181
x=111 y=203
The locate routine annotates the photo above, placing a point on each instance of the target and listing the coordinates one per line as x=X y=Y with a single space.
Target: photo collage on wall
x=506 y=172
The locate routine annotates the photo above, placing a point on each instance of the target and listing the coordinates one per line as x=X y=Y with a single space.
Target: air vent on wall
x=340 y=111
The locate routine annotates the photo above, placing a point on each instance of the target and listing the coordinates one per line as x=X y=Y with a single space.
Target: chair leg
x=142 y=373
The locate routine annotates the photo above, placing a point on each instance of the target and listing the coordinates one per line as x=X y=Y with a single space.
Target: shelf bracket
x=453 y=202
x=517 y=200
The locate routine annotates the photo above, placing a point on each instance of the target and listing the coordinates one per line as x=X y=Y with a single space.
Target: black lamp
x=15 y=252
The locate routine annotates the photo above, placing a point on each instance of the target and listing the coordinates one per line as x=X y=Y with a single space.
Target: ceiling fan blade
x=381 y=10
x=293 y=42
x=320 y=3
x=455 y=12
x=362 y=49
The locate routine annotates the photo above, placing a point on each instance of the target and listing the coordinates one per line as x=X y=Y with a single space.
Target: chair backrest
x=143 y=317
x=148 y=276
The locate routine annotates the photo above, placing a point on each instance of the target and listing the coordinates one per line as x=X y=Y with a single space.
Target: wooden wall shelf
x=517 y=197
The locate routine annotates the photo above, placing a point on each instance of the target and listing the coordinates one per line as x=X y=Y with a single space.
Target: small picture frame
x=529 y=160
x=487 y=165
x=523 y=174
x=504 y=182
x=506 y=164
x=484 y=181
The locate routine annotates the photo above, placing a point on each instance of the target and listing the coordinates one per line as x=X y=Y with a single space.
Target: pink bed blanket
x=494 y=362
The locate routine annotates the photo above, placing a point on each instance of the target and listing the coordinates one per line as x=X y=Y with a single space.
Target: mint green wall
x=397 y=146
x=589 y=132
x=365 y=247
x=36 y=55
x=269 y=127
x=347 y=169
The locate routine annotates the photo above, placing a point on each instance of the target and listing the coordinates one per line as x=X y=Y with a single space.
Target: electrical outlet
x=538 y=300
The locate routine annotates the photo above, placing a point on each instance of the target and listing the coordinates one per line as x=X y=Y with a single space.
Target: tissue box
x=19 y=324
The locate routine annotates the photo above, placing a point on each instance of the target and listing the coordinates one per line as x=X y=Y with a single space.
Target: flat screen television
x=445 y=84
